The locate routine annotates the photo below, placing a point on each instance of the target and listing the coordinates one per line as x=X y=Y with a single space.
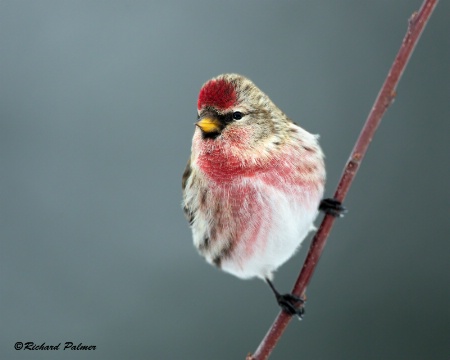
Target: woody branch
x=385 y=97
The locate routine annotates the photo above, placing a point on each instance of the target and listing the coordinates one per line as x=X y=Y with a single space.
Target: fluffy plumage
x=254 y=181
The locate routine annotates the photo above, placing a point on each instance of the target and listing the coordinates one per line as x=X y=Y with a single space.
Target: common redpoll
x=253 y=184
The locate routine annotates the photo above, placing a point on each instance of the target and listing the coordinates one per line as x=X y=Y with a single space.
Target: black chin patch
x=210 y=135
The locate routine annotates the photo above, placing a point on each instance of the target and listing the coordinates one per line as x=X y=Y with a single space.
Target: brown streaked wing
x=187 y=172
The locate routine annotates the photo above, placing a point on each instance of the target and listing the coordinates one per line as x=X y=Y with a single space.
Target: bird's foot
x=291 y=304
x=332 y=207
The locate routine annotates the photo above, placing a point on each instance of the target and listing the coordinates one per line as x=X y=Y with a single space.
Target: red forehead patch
x=217 y=93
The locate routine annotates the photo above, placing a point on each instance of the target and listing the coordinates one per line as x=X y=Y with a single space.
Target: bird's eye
x=237 y=115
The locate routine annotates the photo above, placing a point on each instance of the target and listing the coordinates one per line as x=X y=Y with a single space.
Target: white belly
x=287 y=222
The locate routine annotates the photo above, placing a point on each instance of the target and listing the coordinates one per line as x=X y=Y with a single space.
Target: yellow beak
x=209 y=125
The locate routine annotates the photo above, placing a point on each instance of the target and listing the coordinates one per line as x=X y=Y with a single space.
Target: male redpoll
x=253 y=184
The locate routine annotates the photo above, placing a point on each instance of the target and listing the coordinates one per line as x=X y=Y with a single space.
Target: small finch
x=253 y=184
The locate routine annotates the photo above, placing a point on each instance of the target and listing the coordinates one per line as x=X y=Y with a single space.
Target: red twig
x=385 y=97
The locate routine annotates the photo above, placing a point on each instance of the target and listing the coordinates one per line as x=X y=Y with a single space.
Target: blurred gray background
x=97 y=106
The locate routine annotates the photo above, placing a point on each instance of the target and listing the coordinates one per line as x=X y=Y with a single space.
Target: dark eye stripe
x=229 y=117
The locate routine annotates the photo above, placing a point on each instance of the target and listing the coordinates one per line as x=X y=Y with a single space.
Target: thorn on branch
x=393 y=96
x=390 y=99
x=413 y=20
x=353 y=164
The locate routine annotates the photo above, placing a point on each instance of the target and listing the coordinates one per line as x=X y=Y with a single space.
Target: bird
x=253 y=184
